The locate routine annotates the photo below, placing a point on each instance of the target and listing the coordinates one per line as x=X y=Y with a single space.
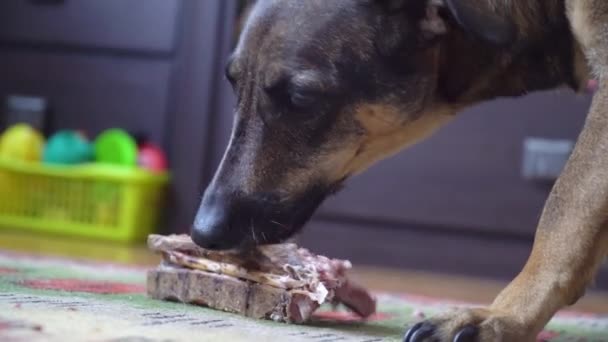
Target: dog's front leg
x=570 y=243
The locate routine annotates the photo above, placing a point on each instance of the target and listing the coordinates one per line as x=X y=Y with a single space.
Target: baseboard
x=427 y=249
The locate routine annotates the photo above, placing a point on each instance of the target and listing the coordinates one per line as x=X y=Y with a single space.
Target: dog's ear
x=424 y=12
x=486 y=20
x=408 y=23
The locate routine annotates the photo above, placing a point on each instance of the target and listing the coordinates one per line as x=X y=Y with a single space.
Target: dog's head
x=325 y=88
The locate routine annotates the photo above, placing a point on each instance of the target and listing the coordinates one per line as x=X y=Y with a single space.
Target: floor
x=414 y=282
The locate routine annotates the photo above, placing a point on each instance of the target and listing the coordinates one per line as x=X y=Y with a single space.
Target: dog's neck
x=471 y=71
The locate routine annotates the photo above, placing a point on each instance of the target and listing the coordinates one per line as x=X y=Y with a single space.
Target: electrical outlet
x=31 y=110
x=544 y=159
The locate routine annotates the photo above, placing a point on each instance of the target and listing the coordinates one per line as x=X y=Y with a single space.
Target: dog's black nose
x=213 y=228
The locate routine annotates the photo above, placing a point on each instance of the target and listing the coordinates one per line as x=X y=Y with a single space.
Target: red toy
x=152 y=157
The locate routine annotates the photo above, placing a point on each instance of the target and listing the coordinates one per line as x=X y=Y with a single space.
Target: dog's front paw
x=470 y=325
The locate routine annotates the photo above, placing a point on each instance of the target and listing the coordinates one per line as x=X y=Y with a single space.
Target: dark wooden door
x=149 y=25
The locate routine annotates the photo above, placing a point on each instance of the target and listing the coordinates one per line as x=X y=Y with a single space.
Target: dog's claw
x=419 y=332
x=467 y=334
x=411 y=331
x=422 y=331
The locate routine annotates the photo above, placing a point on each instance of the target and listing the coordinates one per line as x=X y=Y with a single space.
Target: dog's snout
x=213 y=226
x=232 y=219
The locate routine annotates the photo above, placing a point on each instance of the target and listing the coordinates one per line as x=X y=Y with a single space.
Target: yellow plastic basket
x=93 y=200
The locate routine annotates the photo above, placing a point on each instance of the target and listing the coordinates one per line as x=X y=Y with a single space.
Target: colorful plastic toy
x=68 y=147
x=152 y=157
x=21 y=142
x=115 y=146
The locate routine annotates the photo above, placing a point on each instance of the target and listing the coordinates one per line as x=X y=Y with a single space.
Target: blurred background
x=116 y=114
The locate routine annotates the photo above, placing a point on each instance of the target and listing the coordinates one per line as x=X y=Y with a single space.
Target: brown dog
x=327 y=87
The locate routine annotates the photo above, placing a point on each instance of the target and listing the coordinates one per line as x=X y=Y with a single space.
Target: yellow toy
x=21 y=142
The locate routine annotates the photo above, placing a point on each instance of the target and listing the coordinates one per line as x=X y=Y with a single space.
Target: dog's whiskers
x=279 y=224
x=255 y=238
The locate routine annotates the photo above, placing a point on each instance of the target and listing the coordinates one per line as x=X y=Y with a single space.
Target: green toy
x=115 y=146
x=68 y=147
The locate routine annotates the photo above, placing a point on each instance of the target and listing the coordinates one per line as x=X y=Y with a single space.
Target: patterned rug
x=62 y=300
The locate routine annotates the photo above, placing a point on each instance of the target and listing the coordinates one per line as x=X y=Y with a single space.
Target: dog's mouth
x=245 y=221
x=279 y=224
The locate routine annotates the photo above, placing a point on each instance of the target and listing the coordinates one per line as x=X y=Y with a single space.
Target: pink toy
x=152 y=157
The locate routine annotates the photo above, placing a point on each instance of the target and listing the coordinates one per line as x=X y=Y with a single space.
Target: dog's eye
x=229 y=76
x=229 y=71
x=303 y=99
x=291 y=97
